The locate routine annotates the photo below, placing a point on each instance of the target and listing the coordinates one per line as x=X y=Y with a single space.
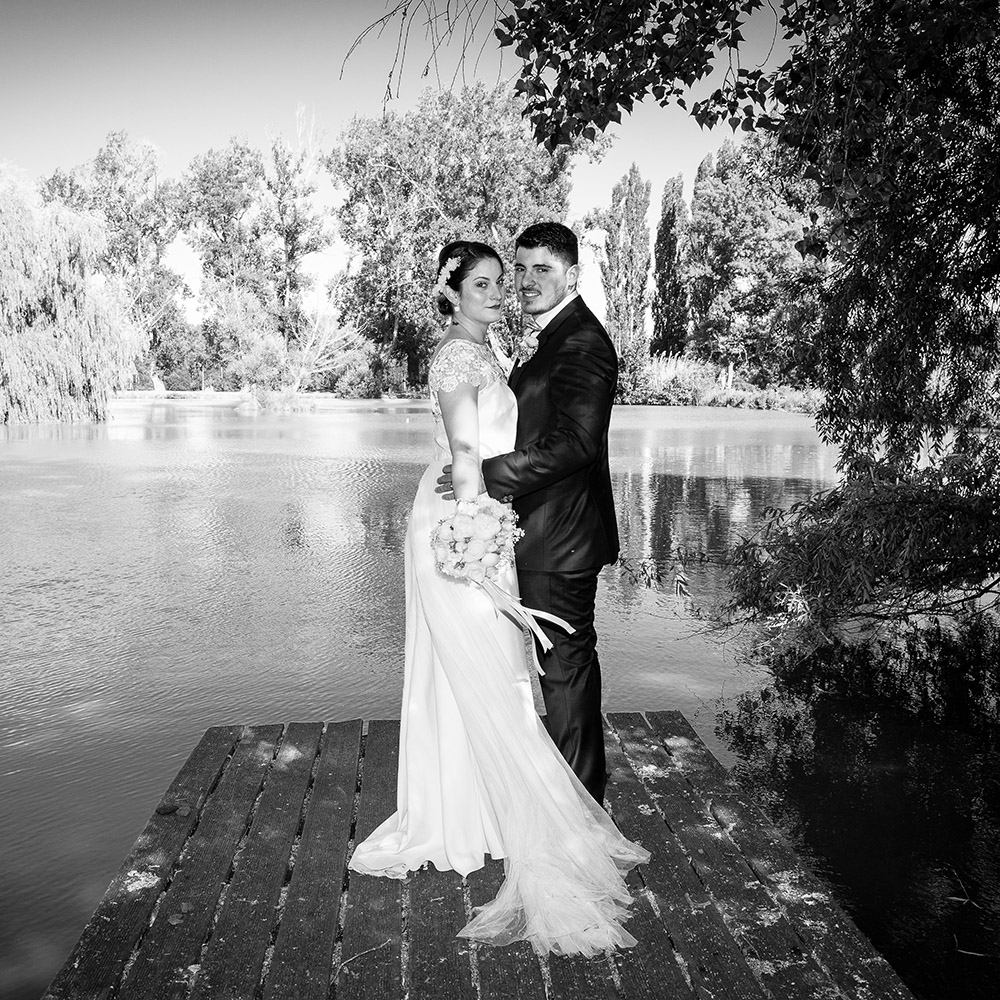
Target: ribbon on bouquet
x=525 y=618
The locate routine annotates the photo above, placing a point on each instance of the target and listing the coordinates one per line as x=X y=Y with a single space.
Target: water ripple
x=187 y=565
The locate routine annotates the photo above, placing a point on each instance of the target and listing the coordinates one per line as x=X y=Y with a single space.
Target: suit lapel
x=556 y=322
x=550 y=328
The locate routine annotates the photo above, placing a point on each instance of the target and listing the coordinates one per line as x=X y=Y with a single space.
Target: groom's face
x=541 y=279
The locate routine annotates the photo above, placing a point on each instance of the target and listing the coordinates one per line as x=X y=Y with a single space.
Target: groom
x=560 y=485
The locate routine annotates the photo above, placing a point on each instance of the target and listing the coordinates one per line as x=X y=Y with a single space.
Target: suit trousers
x=571 y=686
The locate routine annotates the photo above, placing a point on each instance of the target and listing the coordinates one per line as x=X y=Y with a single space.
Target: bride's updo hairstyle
x=467 y=253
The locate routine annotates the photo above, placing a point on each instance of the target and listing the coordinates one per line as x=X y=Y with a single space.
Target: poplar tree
x=670 y=307
x=624 y=266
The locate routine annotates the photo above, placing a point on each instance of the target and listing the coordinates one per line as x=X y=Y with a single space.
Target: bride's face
x=480 y=296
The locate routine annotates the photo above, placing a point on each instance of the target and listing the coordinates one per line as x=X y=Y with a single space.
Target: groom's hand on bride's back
x=444 y=486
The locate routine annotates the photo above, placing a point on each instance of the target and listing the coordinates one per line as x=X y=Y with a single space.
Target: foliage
x=122 y=185
x=360 y=375
x=910 y=342
x=747 y=283
x=67 y=339
x=845 y=80
x=941 y=671
x=679 y=380
x=185 y=358
x=584 y=64
x=624 y=263
x=670 y=298
x=676 y=380
x=322 y=349
x=907 y=345
x=300 y=225
x=244 y=348
x=226 y=216
x=892 y=108
x=458 y=166
x=875 y=550
x=255 y=224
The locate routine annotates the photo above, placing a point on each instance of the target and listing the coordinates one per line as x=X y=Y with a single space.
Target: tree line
x=459 y=165
x=727 y=282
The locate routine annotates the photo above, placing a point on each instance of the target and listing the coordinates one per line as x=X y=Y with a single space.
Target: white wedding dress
x=478 y=773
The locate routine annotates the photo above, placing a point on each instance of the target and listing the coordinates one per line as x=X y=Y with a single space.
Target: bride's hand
x=444 y=486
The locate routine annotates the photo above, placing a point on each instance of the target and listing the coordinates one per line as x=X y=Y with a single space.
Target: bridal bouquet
x=473 y=545
x=477 y=540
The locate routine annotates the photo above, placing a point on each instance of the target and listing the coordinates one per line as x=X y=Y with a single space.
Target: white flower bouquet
x=477 y=540
x=473 y=544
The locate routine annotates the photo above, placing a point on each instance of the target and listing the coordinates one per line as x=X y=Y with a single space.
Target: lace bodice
x=462 y=361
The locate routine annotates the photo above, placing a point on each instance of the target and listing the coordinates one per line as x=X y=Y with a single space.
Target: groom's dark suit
x=559 y=482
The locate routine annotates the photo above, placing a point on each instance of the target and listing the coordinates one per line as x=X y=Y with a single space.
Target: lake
x=187 y=564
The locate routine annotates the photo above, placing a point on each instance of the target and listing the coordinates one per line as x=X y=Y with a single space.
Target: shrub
x=676 y=380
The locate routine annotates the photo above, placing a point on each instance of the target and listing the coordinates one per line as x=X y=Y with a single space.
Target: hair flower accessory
x=473 y=545
x=445 y=273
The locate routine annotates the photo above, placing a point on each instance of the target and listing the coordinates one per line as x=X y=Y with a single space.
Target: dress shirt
x=542 y=319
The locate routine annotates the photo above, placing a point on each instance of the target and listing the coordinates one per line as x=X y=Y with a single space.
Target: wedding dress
x=478 y=773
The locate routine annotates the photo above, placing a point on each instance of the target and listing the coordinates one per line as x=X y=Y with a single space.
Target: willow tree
x=67 y=337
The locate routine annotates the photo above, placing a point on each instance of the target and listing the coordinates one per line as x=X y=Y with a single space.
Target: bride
x=478 y=773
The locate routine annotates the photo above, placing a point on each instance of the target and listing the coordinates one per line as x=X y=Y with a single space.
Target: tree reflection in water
x=903 y=819
x=680 y=527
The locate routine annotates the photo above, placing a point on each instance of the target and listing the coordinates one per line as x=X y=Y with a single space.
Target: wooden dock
x=237 y=888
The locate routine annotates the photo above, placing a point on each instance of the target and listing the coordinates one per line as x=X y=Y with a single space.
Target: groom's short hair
x=558 y=239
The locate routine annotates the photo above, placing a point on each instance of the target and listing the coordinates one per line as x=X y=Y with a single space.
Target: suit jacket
x=558 y=476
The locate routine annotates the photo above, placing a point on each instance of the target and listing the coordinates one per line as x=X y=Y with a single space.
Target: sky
x=186 y=75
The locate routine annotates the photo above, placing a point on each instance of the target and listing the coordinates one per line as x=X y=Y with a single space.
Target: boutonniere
x=525 y=348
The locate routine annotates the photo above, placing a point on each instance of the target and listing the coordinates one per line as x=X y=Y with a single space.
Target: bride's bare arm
x=460 y=412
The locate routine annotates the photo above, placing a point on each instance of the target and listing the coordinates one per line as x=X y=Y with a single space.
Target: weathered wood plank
x=575 y=977
x=650 y=970
x=163 y=967
x=234 y=957
x=724 y=909
x=122 y=916
x=510 y=973
x=370 y=963
x=773 y=948
x=849 y=958
x=303 y=951
x=439 y=964
x=712 y=960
